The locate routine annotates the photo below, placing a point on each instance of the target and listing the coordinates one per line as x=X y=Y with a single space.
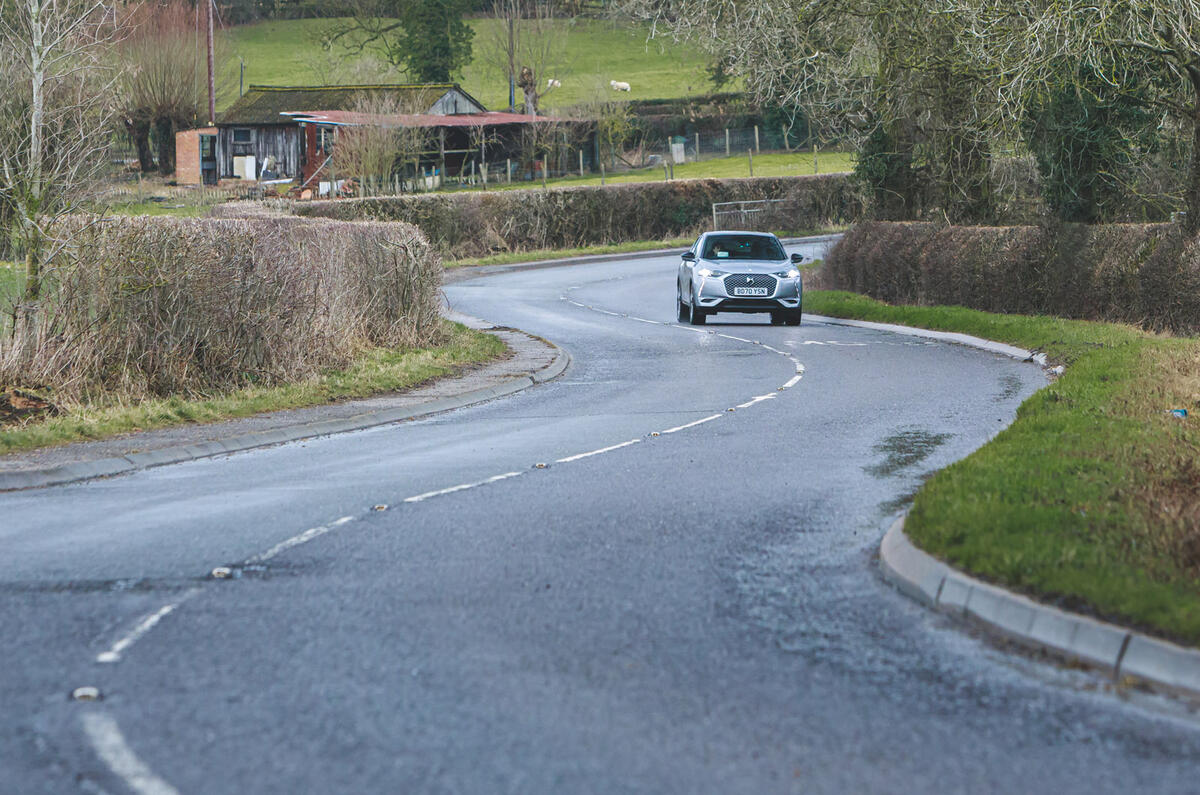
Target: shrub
x=480 y=223
x=163 y=306
x=1145 y=274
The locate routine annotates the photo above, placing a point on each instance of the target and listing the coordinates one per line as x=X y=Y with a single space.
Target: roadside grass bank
x=375 y=371
x=633 y=247
x=1091 y=499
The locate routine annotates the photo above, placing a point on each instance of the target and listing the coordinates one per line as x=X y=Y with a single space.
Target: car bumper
x=712 y=295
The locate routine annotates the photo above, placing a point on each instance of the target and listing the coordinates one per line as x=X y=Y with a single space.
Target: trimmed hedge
x=480 y=223
x=1144 y=274
x=157 y=306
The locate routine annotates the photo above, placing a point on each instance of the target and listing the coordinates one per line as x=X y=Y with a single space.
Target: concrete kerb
x=1119 y=651
x=942 y=336
x=104 y=467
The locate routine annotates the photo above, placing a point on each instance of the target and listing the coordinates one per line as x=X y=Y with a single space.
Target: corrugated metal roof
x=351 y=119
x=265 y=104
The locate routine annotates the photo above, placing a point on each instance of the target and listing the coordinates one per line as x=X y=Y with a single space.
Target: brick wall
x=187 y=155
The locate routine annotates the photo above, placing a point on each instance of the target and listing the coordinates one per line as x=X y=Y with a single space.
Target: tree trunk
x=164 y=130
x=33 y=264
x=139 y=133
x=1191 y=220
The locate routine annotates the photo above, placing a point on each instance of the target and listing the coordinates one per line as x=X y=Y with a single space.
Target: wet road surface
x=682 y=599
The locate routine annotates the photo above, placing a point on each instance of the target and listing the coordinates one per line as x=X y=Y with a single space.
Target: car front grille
x=750 y=280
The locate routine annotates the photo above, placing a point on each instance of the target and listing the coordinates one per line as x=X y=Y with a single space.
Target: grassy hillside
x=285 y=52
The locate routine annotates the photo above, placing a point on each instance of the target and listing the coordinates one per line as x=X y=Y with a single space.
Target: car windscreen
x=742 y=247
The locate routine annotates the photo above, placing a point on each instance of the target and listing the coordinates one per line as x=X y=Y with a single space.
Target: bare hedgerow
x=1144 y=274
x=476 y=224
x=163 y=306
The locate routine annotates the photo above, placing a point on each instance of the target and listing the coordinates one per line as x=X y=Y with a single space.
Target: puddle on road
x=904 y=450
x=1011 y=388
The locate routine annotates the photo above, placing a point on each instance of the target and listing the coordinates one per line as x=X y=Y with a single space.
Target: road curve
x=682 y=598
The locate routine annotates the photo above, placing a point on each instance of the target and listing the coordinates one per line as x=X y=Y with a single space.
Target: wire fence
x=650 y=158
x=186 y=195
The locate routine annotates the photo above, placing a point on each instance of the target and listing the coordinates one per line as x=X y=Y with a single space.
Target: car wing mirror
x=689 y=256
x=797 y=259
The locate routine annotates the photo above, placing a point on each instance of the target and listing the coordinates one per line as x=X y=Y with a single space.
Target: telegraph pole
x=212 y=81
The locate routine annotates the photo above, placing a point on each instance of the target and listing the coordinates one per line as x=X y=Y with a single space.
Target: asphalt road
x=694 y=611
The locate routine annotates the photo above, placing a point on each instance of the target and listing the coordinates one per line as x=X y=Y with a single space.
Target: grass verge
x=1091 y=499
x=376 y=371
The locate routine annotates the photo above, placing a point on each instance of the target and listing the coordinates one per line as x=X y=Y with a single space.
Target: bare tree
x=1122 y=41
x=528 y=49
x=164 y=85
x=888 y=75
x=542 y=141
x=331 y=67
x=55 y=121
x=429 y=39
x=482 y=139
x=614 y=124
x=384 y=140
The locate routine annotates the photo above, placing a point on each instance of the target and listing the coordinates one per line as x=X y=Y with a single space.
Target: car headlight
x=789 y=274
x=709 y=272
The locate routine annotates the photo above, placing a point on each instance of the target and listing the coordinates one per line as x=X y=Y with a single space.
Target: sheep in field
x=552 y=83
x=618 y=86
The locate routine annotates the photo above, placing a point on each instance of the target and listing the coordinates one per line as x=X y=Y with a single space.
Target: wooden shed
x=255 y=140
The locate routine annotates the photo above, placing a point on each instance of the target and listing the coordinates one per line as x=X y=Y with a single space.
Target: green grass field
x=12 y=280
x=780 y=164
x=1089 y=499
x=285 y=52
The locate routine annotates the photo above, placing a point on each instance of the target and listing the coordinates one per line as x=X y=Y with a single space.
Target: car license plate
x=751 y=291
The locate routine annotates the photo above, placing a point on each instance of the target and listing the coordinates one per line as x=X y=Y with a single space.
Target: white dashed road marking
x=609 y=449
x=145 y=625
x=693 y=424
x=297 y=540
x=109 y=744
x=462 y=487
x=104 y=734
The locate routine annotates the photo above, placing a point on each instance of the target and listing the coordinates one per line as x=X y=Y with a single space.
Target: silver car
x=739 y=272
